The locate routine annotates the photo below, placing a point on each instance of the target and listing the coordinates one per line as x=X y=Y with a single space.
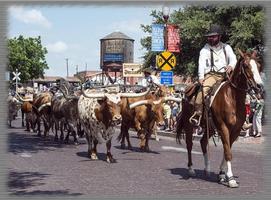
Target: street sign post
x=166 y=61
x=166 y=77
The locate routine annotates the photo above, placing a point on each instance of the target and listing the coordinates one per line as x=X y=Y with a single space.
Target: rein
x=234 y=85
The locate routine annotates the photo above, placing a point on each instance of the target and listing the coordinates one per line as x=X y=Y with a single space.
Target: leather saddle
x=191 y=90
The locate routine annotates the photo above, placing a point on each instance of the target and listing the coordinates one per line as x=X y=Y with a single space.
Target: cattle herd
x=92 y=112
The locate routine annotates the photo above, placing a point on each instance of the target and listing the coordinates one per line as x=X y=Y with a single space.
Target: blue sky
x=74 y=31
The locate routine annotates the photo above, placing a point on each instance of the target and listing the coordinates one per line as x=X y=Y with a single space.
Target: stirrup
x=194 y=121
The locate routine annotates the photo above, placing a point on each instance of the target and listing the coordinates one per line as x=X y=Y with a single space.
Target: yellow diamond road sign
x=166 y=61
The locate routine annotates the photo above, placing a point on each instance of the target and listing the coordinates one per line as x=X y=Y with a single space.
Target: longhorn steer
x=142 y=118
x=26 y=108
x=42 y=109
x=65 y=109
x=142 y=115
x=98 y=114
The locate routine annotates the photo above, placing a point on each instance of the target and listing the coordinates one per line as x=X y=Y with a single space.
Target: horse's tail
x=183 y=125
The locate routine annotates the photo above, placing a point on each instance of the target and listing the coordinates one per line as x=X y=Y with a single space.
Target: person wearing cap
x=149 y=78
x=215 y=60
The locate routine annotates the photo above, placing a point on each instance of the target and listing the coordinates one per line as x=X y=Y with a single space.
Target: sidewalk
x=241 y=138
x=172 y=135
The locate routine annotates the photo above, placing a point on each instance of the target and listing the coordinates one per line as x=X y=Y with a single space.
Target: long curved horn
x=44 y=105
x=65 y=89
x=135 y=94
x=139 y=103
x=93 y=95
x=145 y=102
x=22 y=99
x=68 y=97
x=179 y=100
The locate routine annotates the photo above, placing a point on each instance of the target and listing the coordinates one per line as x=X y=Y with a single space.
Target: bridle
x=250 y=86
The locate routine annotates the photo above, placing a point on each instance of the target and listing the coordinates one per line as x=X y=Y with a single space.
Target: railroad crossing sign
x=16 y=75
x=17 y=78
x=166 y=61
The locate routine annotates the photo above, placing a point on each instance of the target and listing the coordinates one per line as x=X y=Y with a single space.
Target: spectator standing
x=149 y=78
x=257 y=116
x=247 y=125
x=167 y=113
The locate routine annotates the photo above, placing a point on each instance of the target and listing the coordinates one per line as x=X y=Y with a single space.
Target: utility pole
x=76 y=69
x=67 y=64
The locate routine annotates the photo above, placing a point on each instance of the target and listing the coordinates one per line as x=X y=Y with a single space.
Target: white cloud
x=131 y=26
x=29 y=16
x=57 y=47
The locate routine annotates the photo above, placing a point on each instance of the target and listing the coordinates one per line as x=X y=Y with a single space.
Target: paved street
x=44 y=167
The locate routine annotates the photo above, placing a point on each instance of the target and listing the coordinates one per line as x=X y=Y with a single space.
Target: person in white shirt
x=149 y=78
x=215 y=59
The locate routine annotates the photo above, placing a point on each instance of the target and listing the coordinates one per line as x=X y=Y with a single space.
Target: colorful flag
x=157 y=42
x=173 y=38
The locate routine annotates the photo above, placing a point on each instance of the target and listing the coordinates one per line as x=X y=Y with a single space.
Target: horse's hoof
x=221 y=177
x=207 y=173
x=93 y=156
x=122 y=146
x=191 y=172
x=146 y=149
x=233 y=184
x=110 y=159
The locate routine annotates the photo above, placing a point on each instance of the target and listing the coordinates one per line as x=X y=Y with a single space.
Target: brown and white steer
x=98 y=114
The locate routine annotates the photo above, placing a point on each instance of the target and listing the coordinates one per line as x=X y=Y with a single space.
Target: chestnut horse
x=228 y=115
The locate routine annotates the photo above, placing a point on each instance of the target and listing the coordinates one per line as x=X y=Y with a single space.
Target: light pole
x=76 y=69
x=165 y=16
x=67 y=64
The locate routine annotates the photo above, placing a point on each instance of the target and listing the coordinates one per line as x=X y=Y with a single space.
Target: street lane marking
x=180 y=149
x=25 y=155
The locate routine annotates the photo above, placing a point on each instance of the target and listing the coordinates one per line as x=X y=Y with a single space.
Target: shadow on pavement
x=20 y=182
x=21 y=142
x=183 y=172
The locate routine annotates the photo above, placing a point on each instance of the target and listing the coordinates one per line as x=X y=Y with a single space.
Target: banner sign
x=157 y=42
x=132 y=70
x=173 y=38
x=113 y=57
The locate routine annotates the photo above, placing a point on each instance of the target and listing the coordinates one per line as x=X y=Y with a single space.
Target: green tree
x=28 y=56
x=243 y=28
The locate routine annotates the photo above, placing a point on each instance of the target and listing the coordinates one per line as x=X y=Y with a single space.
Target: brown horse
x=228 y=116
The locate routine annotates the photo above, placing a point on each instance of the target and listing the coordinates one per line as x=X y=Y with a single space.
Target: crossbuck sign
x=16 y=75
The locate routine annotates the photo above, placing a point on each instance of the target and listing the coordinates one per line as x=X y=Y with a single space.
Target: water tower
x=116 y=49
